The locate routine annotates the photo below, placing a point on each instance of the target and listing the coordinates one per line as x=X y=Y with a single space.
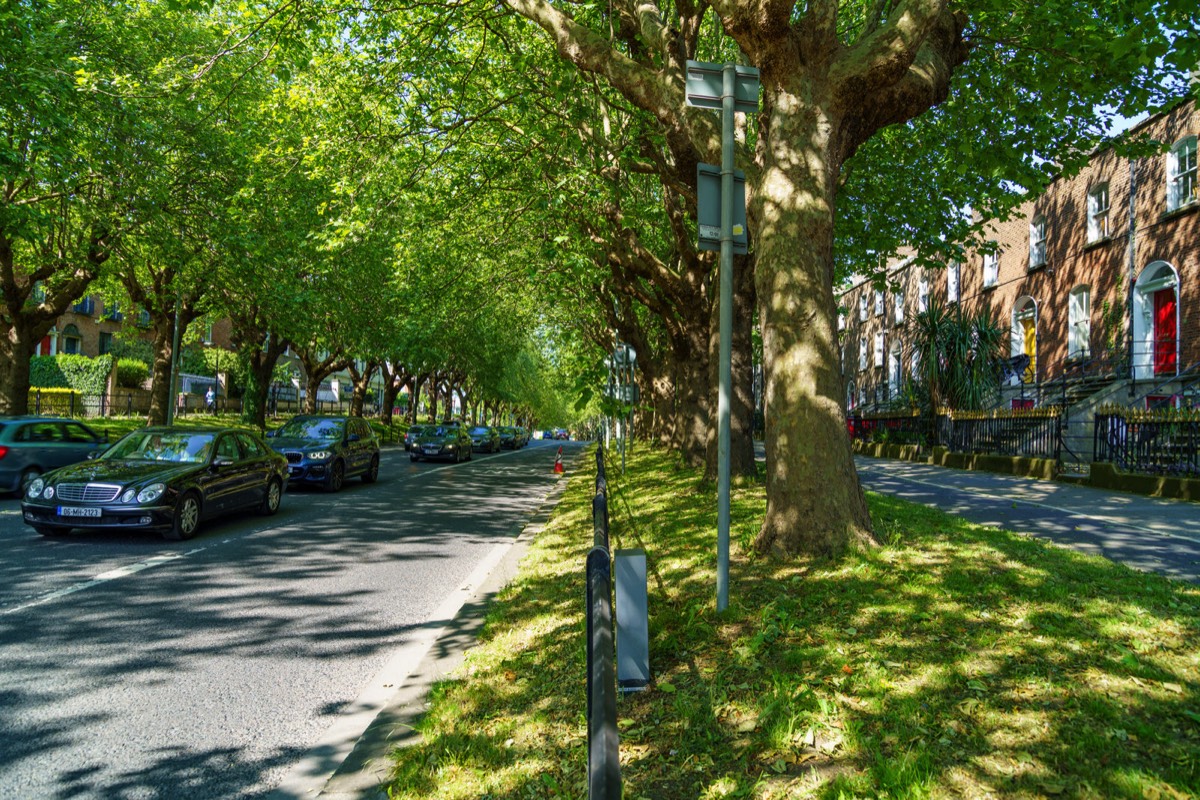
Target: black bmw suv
x=325 y=450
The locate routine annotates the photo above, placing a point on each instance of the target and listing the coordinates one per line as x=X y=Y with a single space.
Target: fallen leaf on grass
x=669 y=688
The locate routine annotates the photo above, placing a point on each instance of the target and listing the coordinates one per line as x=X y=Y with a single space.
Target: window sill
x=1036 y=267
x=1187 y=208
x=1103 y=240
x=991 y=287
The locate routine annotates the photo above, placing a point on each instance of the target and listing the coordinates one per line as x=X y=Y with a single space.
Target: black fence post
x=604 y=766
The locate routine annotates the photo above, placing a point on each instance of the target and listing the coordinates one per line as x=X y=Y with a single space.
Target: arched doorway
x=1156 y=322
x=1024 y=336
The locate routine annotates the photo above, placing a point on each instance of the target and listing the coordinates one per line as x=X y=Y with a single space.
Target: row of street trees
x=253 y=165
x=493 y=191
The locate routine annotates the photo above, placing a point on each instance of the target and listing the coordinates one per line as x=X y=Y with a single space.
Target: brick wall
x=1141 y=236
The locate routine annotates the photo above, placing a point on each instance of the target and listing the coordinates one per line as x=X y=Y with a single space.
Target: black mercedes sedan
x=165 y=479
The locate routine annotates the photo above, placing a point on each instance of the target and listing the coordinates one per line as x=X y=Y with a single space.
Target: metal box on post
x=633 y=623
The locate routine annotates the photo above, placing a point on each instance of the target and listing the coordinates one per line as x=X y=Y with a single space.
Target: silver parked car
x=30 y=446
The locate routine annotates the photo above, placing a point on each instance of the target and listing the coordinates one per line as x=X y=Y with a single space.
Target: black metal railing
x=604 y=766
x=1158 y=443
x=1033 y=434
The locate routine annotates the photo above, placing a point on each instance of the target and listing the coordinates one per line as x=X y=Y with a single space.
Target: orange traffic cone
x=558 y=467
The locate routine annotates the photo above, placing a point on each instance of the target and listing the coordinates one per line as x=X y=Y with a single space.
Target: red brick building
x=89 y=327
x=1098 y=276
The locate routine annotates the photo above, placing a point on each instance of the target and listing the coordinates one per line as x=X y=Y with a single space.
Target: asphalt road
x=132 y=667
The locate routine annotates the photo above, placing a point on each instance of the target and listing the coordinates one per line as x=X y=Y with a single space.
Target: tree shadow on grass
x=957 y=660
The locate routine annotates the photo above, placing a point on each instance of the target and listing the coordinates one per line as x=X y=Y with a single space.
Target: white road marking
x=105 y=577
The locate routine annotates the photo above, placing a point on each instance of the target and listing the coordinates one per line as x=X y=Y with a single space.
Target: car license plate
x=296 y=471
x=75 y=511
x=431 y=451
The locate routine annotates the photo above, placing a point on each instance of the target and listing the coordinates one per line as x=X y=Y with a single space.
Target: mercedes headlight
x=319 y=455
x=128 y=496
x=35 y=488
x=151 y=492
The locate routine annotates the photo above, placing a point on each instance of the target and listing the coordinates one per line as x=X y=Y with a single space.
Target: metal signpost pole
x=726 y=322
x=731 y=89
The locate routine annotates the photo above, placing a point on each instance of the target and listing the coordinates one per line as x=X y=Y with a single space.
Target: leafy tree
x=834 y=74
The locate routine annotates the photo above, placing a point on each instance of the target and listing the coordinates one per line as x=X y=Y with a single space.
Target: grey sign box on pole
x=633 y=620
x=708 y=211
x=705 y=89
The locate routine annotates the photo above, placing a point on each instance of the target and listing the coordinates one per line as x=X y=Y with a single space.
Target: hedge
x=68 y=371
x=131 y=373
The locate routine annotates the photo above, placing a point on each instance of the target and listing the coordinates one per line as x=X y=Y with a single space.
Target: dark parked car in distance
x=414 y=433
x=31 y=445
x=449 y=440
x=485 y=438
x=163 y=478
x=325 y=450
x=520 y=436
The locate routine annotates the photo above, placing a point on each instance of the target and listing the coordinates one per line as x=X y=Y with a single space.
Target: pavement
x=1146 y=533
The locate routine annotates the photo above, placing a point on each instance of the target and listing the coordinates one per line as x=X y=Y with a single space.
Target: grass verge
x=955 y=661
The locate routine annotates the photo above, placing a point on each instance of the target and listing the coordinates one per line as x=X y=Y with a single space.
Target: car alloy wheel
x=337 y=475
x=187 y=518
x=372 y=473
x=272 y=497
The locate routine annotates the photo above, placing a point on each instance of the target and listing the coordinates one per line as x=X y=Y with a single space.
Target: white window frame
x=1099 y=205
x=841 y=320
x=898 y=299
x=1079 y=328
x=895 y=376
x=879 y=302
x=862 y=353
x=862 y=307
x=1182 y=187
x=1037 y=242
x=991 y=270
x=923 y=294
x=953 y=274
x=879 y=349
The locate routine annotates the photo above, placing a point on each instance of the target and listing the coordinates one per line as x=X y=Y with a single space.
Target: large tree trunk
x=160 y=372
x=260 y=365
x=414 y=399
x=814 y=502
x=362 y=382
x=15 y=351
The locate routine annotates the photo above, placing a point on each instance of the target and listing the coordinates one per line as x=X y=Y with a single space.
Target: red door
x=1164 y=332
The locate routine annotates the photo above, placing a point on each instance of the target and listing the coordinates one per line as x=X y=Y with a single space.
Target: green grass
x=955 y=661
